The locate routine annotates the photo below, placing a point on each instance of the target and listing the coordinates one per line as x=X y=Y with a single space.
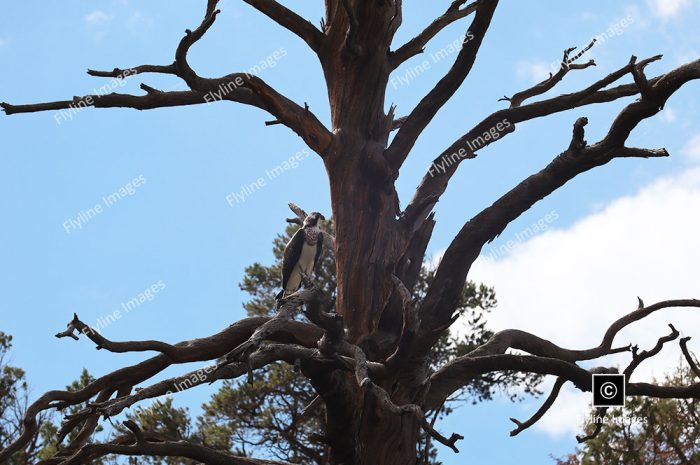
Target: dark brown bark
x=361 y=181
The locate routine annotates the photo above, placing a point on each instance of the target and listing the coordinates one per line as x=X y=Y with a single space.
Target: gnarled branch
x=139 y=443
x=443 y=293
x=503 y=122
x=460 y=372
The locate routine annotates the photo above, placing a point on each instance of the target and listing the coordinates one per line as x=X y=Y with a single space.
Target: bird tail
x=279 y=295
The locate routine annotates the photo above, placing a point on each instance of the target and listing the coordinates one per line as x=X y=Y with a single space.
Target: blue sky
x=178 y=229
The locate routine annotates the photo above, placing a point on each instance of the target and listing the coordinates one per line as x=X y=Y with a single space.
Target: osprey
x=301 y=254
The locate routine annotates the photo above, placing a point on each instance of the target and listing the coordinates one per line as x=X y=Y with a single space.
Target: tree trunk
x=386 y=438
x=365 y=205
x=370 y=239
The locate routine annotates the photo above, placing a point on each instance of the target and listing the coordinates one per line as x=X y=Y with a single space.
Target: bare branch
x=417 y=45
x=299 y=119
x=290 y=20
x=117 y=347
x=89 y=422
x=456 y=374
x=142 y=69
x=158 y=445
x=204 y=349
x=600 y=412
x=577 y=140
x=567 y=65
x=639 y=357
x=237 y=87
x=114 y=100
x=503 y=122
x=688 y=357
x=442 y=296
x=522 y=426
x=468 y=368
x=181 y=65
x=314 y=405
x=288 y=307
x=442 y=439
x=298 y=211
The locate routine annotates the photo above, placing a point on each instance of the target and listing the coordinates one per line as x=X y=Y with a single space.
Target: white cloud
x=533 y=71
x=568 y=285
x=566 y=416
x=635 y=14
x=669 y=115
x=684 y=56
x=138 y=21
x=668 y=9
x=692 y=148
x=97 y=17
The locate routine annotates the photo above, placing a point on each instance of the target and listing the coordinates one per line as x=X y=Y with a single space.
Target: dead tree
x=367 y=361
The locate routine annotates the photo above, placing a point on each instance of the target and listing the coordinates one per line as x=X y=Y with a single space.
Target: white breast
x=304 y=265
x=306 y=260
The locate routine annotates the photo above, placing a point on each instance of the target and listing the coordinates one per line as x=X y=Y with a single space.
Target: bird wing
x=319 y=249
x=291 y=255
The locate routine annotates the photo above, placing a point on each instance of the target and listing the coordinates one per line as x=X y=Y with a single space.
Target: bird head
x=313 y=218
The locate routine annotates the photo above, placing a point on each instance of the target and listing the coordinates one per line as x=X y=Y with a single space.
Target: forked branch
x=567 y=64
x=236 y=87
x=415 y=46
x=427 y=108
